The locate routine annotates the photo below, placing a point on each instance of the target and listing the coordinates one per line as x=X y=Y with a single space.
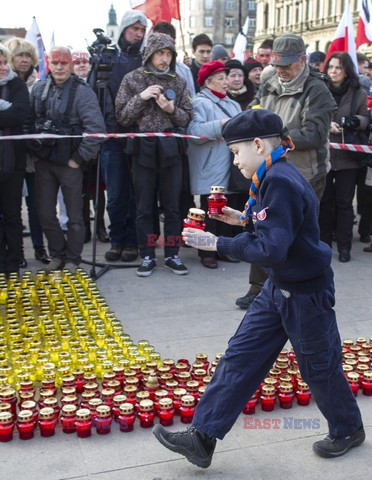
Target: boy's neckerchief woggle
x=259 y=175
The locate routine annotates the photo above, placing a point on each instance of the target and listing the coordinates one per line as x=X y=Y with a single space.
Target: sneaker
x=41 y=254
x=244 y=302
x=335 y=447
x=147 y=267
x=196 y=446
x=114 y=254
x=176 y=265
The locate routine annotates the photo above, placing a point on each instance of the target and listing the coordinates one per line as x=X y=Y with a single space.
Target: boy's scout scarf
x=257 y=178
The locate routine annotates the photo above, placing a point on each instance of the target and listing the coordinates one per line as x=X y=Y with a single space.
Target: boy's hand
x=200 y=239
x=230 y=216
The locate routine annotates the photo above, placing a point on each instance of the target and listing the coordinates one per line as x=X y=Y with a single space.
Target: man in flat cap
x=299 y=95
x=296 y=301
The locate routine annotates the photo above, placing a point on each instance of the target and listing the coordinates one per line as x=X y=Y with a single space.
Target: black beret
x=254 y=123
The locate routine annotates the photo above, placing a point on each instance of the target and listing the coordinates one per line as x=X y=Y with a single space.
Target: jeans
x=121 y=205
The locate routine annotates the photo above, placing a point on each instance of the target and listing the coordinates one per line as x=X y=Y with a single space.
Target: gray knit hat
x=219 y=51
x=130 y=18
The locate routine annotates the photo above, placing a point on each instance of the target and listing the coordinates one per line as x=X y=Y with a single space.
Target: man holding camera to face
x=154 y=98
x=63 y=104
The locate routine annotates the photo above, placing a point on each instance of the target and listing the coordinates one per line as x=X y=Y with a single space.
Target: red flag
x=159 y=10
x=344 y=40
x=364 y=32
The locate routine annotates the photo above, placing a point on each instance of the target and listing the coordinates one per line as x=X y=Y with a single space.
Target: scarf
x=260 y=174
x=152 y=70
x=9 y=76
x=339 y=92
x=237 y=93
x=218 y=94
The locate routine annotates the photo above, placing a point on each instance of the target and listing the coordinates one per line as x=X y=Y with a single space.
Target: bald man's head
x=60 y=64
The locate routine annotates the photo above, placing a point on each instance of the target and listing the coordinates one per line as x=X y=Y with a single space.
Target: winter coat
x=341 y=159
x=85 y=113
x=146 y=115
x=209 y=160
x=305 y=106
x=12 y=119
x=195 y=72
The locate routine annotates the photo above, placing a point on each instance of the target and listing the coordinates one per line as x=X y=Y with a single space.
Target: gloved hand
x=350 y=123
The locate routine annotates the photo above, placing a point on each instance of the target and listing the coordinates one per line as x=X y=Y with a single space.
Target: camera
x=350 y=123
x=169 y=94
x=44 y=127
x=102 y=56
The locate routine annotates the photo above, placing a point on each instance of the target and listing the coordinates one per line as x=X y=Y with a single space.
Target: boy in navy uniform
x=296 y=302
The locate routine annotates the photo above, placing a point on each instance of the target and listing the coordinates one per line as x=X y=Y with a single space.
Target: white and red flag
x=158 y=10
x=34 y=36
x=364 y=32
x=344 y=39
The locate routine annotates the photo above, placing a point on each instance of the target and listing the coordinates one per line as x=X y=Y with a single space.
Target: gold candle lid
x=87 y=396
x=115 y=384
x=45 y=393
x=26 y=395
x=169 y=362
x=143 y=395
x=201 y=357
x=119 y=399
x=29 y=405
x=302 y=385
x=25 y=416
x=166 y=403
x=46 y=413
x=200 y=372
x=132 y=381
x=103 y=411
x=68 y=391
x=217 y=189
x=83 y=414
x=197 y=364
x=94 y=403
x=202 y=389
x=178 y=393
x=361 y=340
x=126 y=408
x=6 y=418
x=5 y=407
x=286 y=387
x=368 y=375
x=270 y=381
x=268 y=390
x=187 y=401
x=192 y=386
x=349 y=356
x=68 y=381
x=352 y=377
x=107 y=393
x=26 y=384
x=146 y=405
x=51 y=402
x=285 y=378
x=69 y=410
x=184 y=376
x=107 y=376
x=171 y=384
x=347 y=368
x=207 y=379
x=7 y=394
x=347 y=342
x=363 y=360
x=196 y=214
x=69 y=400
x=275 y=372
x=165 y=377
x=130 y=389
x=152 y=382
x=91 y=387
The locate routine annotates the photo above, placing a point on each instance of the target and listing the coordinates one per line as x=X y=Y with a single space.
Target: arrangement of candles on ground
x=66 y=363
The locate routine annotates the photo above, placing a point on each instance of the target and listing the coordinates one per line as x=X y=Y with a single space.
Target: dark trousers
x=33 y=219
x=309 y=322
x=337 y=203
x=121 y=205
x=364 y=198
x=49 y=177
x=257 y=275
x=11 y=222
x=168 y=181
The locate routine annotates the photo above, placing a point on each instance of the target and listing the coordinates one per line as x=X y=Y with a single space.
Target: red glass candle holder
x=166 y=412
x=177 y=396
x=268 y=398
x=126 y=417
x=303 y=393
x=367 y=383
x=47 y=422
x=146 y=414
x=31 y=405
x=118 y=400
x=250 y=407
x=8 y=395
x=159 y=394
x=216 y=200
x=52 y=402
x=79 y=376
x=353 y=379
x=286 y=395
x=68 y=418
x=130 y=392
x=6 y=426
x=103 y=419
x=195 y=219
x=187 y=408
x=83 y=423
x=25 y=425
x=92 y=407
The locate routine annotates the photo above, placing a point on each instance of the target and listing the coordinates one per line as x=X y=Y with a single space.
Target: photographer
x=154 y=98
x=127 y=55
x=63 y=104
x=336 y=206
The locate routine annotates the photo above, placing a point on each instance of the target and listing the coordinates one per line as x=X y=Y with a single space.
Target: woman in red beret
x=210 y=159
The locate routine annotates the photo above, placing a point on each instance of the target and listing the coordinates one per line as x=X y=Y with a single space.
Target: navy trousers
x=309 y=322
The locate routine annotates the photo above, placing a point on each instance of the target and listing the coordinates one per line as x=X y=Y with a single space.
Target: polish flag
x=364 y=32
x=158 y=10
x=344 y=39
x=34 y=36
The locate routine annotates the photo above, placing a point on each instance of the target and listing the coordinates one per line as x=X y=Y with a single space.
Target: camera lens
x=170 y=94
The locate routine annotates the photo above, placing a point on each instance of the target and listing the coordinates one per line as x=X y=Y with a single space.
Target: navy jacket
x=286 y=239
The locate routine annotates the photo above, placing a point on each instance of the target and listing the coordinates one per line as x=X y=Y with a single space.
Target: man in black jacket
x=202 y=51
x=63 y=104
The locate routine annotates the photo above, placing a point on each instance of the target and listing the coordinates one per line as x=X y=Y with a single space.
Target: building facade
x=315 y=20
x=219 y=19
x=7 y=33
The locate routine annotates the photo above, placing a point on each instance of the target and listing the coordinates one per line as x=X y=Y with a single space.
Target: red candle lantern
x=52 y=402
x=103 y=419
x=178 y=393
x=31 y=405
x=303 y=393
x=195 y=219
x=83 y=423
x=268 y=398
x=187 y=408
x=166 y=412
x=216 y=200
x=159 y=394
x=92 y=407
x=130 y=392
x=86 y=397
x=118 y=400
x=47 y=422
x=26 y=425
x=146 y=414
x=286 y=395
x=171 y=385
x=79 y=376
x=6 y=426
x=353 y=379
x=192 y=388
x=367 y=383
x=250 y=406
x=107 y=396
x=8 y=395
x=126 y=417
x=203 y=357
x=68 y=418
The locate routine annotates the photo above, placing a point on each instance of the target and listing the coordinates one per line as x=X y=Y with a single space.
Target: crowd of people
x=144 y=179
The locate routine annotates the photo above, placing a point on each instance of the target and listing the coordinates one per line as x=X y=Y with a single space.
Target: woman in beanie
x=210 y=159
x=240 y=88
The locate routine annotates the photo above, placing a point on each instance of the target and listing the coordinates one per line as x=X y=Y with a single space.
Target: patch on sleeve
x=262 y=214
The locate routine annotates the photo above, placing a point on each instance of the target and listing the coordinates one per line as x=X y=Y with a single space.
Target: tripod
x=102 y=91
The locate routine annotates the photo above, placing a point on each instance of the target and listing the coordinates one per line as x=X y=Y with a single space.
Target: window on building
x=229 y=22
x=298 y=12
x=229 y=39
x=208 y=21
x=251 y=5
x=289 y=14
x=309 y=10
x=266 y=16
x=208 y=4
x=279 y=17
x=192 y=21
x=192 y=4
x=331 y=8
x=229 y=4
x=251 y=23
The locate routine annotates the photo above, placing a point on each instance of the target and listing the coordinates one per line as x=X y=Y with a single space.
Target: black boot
x=244 y=302
x=196 y=446
x=335 y=447
x=41 y=254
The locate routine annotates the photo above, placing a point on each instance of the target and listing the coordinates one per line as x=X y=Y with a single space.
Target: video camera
x=44 y=127
x=102 y=56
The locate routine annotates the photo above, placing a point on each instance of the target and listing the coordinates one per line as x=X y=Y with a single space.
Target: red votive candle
x=126 y=417
x=25 y=425
x=6 y=426
x=268 y=398
x=286 y=395
x=166 y=412
x=146 y=414
x=303 y=394
x=8 y=395
x=216 y=200
x=177 y=395
x=47 y=422
x=118 y=400
x=68 y=418
x=83 y=423
x=195 y=219
x=353 y=379
x=250 y=406
x=367 y=383
x=187 y=408
x=103 y=419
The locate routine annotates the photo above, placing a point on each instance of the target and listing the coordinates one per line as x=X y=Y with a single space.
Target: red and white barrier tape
x=337 y=146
